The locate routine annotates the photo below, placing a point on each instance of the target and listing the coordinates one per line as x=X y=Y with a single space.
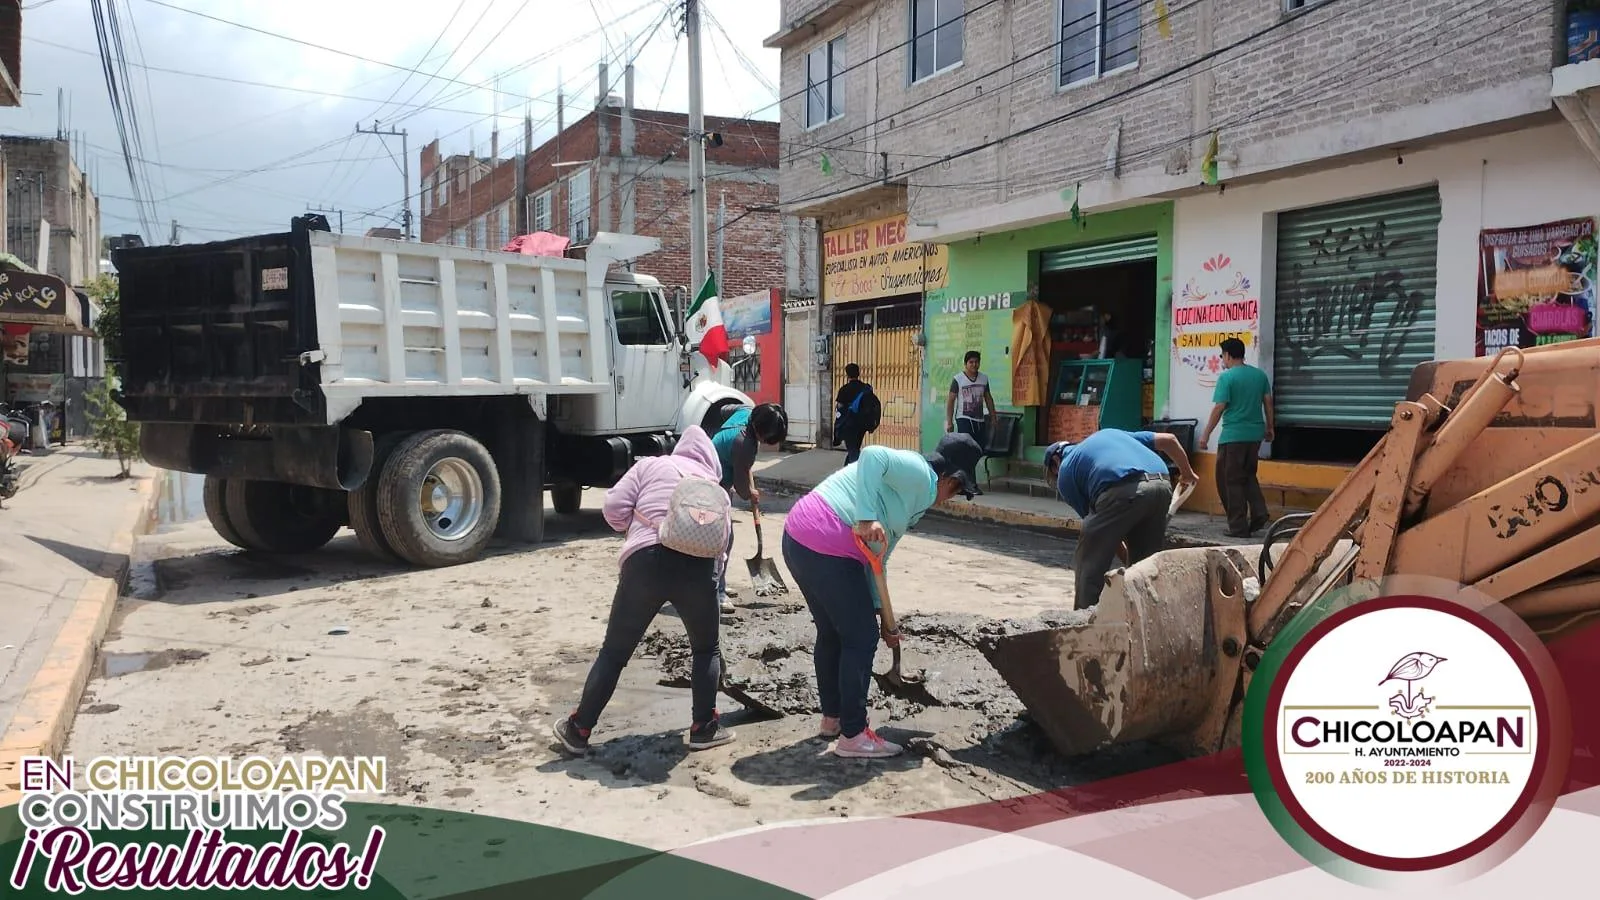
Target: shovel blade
x=764 y=577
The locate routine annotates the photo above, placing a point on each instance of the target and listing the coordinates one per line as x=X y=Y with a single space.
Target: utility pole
x=722 y=218
x=697 y=152
x=405 y=171
x=339 y=212
x=174 y=239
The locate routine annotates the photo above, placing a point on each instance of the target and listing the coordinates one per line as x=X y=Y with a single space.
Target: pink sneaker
x=830 y=727
x=866 y=745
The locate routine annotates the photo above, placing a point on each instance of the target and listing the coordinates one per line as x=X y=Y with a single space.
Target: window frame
x=1290 y=9
x=574 y=219
x=958 y=23
x=536 y=222
x=1100 y=71
x=652 y=299
x=834 y=111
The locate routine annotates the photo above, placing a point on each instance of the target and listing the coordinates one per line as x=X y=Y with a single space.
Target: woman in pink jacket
x=653 y=575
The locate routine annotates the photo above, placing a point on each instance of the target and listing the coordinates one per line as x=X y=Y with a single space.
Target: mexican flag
x=705 y=323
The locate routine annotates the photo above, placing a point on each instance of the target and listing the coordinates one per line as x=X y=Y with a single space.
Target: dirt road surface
x=456 y=676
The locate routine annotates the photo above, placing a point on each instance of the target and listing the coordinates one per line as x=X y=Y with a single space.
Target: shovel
x=764 y=576
x=894 y=676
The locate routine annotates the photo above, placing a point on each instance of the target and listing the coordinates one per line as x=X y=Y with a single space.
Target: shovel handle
x=876 y=561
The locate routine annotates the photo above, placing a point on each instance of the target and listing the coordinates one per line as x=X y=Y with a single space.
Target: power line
x=314 y=46
x=1085 y=108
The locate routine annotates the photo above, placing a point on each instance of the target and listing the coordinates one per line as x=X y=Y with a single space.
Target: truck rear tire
x=567 y=498
x=363 y=507
x=439 y=498
x=274 y=517
x=215 y=494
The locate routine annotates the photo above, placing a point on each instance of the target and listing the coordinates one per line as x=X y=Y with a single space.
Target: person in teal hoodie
x=737 y=441
x=879 y=498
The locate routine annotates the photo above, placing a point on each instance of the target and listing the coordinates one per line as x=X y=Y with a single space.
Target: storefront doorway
x=880 y=336
x=1354 y=315
x=1102 y=307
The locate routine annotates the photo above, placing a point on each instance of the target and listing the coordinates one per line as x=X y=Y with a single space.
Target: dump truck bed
x=297 y=328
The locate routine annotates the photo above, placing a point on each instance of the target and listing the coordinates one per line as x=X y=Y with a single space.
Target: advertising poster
x=748 y=314
x=874 y=259
x=1535 y=285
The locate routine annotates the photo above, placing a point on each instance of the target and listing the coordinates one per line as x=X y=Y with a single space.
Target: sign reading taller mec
x=873 y=260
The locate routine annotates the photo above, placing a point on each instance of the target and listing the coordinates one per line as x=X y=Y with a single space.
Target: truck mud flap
x=325 y=457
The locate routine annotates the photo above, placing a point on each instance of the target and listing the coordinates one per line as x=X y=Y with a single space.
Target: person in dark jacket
x=848 y=426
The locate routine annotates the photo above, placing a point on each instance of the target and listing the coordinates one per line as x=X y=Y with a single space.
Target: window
x=539 y=218
x=638 y=318
x=578 y=207
x=824 y=93
x=936 y=33
x=1297 y=5
x=503 y=226
x=1097 y=36
x=443 y=182
x=480 y=237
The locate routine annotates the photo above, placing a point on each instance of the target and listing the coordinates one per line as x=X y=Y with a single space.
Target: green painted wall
x=1006 y=264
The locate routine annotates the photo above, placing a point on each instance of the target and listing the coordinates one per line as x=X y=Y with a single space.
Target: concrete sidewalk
x=64 y=544
x=800 y=472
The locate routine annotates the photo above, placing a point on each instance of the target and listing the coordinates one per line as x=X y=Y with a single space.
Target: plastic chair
x=1003 y=441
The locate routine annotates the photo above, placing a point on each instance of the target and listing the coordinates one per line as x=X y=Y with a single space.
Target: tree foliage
x=110 y=432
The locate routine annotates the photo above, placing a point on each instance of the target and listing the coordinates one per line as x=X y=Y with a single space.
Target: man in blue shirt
x=1118 y=484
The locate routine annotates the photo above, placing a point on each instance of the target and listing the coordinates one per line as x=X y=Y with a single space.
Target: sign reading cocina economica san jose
x=1406 y=734
x=201 y=799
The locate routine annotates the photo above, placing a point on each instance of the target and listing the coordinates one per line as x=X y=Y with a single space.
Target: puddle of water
x=182 y=500
x=113 y=665
x=126 y=663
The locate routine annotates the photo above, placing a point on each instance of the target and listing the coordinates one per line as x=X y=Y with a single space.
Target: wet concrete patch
x=115 y=665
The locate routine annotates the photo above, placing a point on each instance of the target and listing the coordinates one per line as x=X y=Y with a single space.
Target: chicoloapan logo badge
x=1408 y=734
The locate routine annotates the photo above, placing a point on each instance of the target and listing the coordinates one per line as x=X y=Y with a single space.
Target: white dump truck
x=425 y=395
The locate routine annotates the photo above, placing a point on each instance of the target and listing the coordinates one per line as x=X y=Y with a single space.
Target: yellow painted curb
x=48 y=707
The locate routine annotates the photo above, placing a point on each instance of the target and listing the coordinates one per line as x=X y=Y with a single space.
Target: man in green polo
x=1243 y=404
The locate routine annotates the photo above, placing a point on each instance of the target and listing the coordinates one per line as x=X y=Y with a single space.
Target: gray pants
x=1134 y=510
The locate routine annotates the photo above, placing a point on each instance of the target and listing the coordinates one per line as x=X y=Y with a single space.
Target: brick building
x=623 y=169
x=1319 y=178
x=618 y=168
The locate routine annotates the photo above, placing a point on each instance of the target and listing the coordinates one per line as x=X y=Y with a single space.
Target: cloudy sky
x=244 y=123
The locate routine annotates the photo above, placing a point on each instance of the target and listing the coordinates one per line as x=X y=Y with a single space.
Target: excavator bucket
x=1153 y=663
x=1483 y=480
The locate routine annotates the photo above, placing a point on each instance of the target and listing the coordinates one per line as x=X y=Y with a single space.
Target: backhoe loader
x=1489 y=478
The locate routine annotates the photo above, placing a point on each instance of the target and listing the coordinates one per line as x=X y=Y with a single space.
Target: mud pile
x=766 y=654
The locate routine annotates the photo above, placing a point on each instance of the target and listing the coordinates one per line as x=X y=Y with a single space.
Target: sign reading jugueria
x=873 y=259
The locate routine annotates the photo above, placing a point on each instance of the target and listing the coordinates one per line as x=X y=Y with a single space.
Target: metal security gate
x=882 y=340
x=1105 y=254
x=1354 y=313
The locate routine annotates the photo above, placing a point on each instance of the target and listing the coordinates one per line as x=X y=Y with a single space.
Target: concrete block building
x=616 y=167
x=1340 y=184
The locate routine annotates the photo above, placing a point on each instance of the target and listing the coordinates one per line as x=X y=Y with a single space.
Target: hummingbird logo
x=1412 y=668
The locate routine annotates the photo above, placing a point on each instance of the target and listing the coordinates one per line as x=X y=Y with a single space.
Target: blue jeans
x=839 y=593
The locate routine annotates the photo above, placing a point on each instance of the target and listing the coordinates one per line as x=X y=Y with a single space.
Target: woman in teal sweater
x=879 y=498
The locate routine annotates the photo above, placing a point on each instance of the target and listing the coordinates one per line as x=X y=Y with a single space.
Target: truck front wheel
x=567 y=498
x=274 y=517
x=439 y=498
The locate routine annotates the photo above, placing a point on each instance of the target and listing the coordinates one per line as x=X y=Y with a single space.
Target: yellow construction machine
x=1489 y=477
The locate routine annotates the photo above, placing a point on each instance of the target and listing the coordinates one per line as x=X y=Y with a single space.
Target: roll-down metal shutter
x=1106 y=254
x=1354 y=312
